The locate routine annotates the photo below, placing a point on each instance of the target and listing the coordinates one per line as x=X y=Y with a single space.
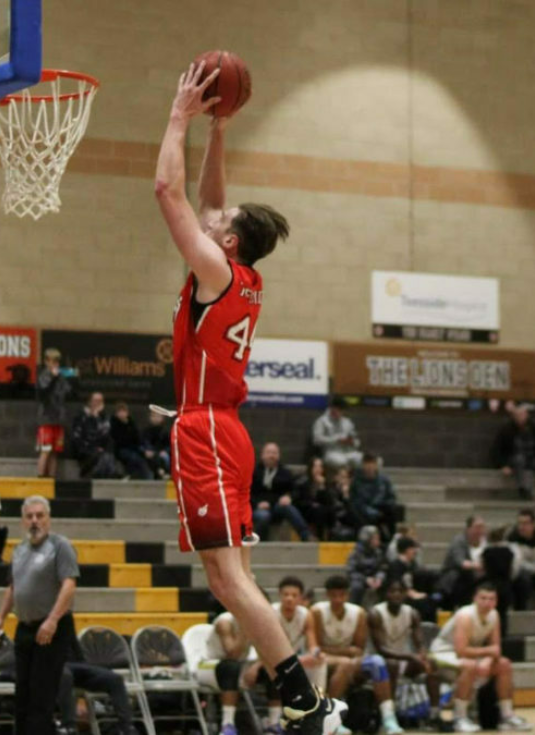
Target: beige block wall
x=446 y=87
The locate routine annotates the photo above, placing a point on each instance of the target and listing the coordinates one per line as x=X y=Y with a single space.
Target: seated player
x=298 y=624
x=469 y=647
x=397 y=635
x=341 y=631
x=227 y=650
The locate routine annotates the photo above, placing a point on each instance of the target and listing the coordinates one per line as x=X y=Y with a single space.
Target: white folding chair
x=160 y=648
x=104 y=647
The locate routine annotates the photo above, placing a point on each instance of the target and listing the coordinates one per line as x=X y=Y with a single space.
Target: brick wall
x=393 y=135
x=403 y=439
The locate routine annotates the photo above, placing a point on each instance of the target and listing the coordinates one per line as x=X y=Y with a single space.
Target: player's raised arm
x=212 y=177
x=204 y=257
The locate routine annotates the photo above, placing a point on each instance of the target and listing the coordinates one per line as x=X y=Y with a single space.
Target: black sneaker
x=437 y=724
x=323 y=719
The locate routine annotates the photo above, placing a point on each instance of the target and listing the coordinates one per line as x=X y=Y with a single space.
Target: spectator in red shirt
x=52 y=391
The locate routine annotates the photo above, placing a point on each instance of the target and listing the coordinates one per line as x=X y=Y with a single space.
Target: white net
x=37 y=138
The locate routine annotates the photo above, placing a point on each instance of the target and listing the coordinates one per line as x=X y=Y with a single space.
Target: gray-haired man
x=43 y=582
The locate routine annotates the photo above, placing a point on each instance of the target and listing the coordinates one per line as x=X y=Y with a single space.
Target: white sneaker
x=465 y=724
x=515 y=723
x=391 y=726
x=342 y=730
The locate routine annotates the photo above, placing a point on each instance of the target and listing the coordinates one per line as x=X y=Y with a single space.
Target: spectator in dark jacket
x=271 y=495
x=522 y=538
x=498 y=567
x=366 y=565
x=373 y=500
x=315 y=498
x=127 y=443
x=91 y=440
x=419 y=582
x=52 y=390
x=514 y=450
x=462 y=567
x=155 y=443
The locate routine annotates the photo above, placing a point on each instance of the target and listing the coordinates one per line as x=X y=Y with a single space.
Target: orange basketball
x=233 y=83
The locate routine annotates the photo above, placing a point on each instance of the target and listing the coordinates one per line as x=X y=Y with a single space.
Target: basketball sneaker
x=465 y=724
x=514 y=723
x=323 y=719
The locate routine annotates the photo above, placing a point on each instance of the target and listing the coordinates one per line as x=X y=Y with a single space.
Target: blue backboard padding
x=25 y=62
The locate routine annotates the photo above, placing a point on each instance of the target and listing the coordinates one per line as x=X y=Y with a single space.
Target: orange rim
x=50 y=75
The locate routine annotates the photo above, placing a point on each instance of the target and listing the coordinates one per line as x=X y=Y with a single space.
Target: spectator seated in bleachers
x=342 y=634
x=315 y=499
x=522 y=537
x=462 y=567
x=92 y=442
x=417 y=581
x=335 y=439
x=373 y=500
x=346 y=525
x=366 y=566
x=156 y=445
x=500 y=563
x=403 y=530
x=468 y=649
x=514 y=450
x=397 y=635
x=78 y=674
x=227 y=650
x=127 y=443
x=271 y=495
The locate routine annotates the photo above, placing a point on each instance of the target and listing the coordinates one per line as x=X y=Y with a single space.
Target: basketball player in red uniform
x=212 y=454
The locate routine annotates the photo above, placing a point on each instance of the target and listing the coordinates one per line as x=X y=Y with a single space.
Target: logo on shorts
x=203 y=510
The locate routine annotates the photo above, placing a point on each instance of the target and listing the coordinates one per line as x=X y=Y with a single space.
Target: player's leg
x=52 y=464
x=503 y=674
x=374 y=667
x=42 y=463
x=227 y=674
x=464 y=688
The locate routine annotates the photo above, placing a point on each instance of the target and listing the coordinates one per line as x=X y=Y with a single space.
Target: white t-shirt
x=480 y=629
x=294 y=628
x=398 y=628
x=339 y=632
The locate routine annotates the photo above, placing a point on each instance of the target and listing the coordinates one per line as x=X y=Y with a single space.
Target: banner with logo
x=435 y=308
x=18 y=360
x=285 y=372
x=136 y=368
x=446 y=374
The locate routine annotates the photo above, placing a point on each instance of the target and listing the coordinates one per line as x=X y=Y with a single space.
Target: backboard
x=20 y=44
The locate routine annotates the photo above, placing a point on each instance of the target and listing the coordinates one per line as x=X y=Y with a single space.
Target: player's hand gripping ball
x=232 y=84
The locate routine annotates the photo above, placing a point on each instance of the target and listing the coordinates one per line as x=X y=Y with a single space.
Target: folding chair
x=159 y=647
x=7 y=676
x=195 y=641
x=104 y=647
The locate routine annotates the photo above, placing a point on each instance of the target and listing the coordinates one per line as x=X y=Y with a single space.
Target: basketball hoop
x=38 y=135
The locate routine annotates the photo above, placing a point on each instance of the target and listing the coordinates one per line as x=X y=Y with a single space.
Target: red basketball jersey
x=211 y=353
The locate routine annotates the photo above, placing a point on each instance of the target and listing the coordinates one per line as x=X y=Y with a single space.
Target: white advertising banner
x=424 y=306
x=285 y=372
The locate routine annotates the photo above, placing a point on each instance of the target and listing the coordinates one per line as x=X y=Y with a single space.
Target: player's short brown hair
x=51 y=353
x=258 y=227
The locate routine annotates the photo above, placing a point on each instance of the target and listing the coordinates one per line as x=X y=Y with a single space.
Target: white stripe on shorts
x=219 y=475
x=179 y=485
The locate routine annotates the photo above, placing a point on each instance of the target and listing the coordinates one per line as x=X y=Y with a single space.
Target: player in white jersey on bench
x=342 y=632
x=397 y=635
x=469 y=647
x=298 y=624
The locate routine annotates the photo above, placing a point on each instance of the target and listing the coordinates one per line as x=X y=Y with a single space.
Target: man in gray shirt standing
x=43 y=582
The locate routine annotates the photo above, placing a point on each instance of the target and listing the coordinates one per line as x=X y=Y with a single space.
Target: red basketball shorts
x=212 y=463
x=50 y=438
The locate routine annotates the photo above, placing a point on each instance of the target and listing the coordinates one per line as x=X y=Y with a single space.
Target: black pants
x=37 y=676
x=93 y=679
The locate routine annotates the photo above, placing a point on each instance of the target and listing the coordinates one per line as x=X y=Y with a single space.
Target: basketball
x=233 y=84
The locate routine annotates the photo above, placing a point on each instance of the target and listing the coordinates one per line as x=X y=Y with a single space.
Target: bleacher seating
x=132 y=573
